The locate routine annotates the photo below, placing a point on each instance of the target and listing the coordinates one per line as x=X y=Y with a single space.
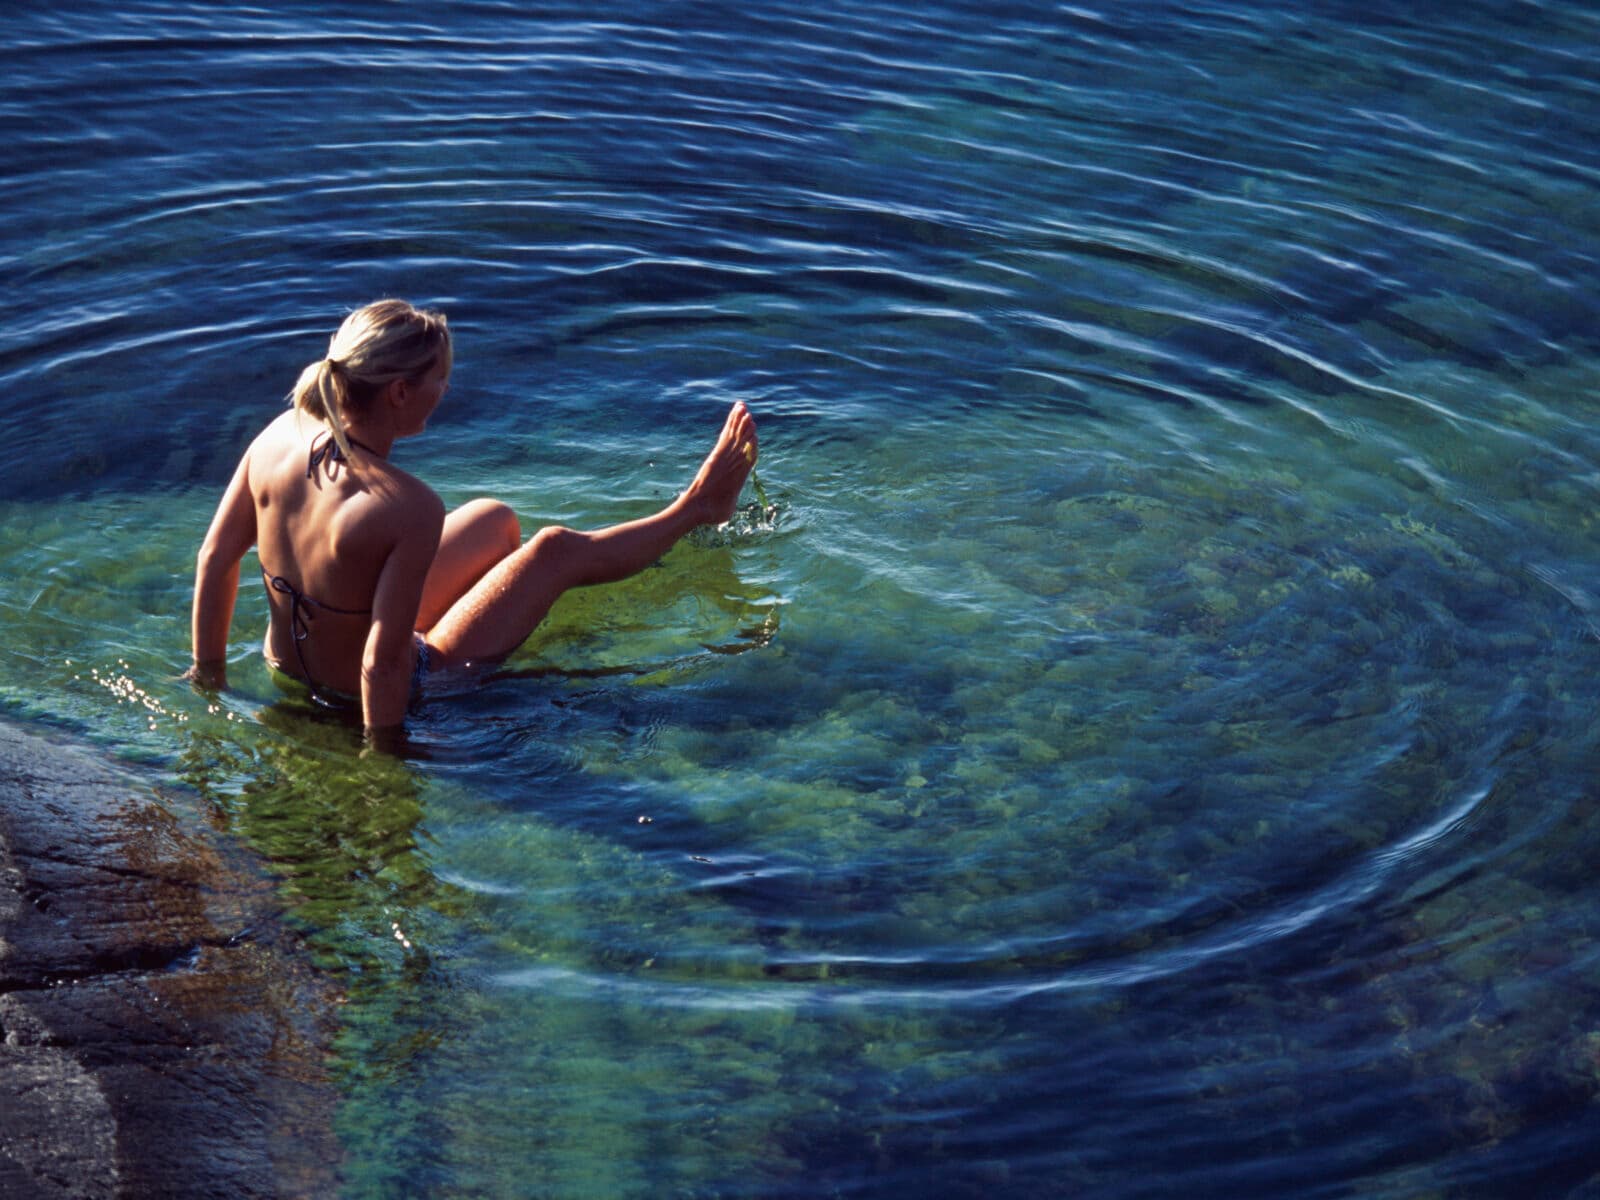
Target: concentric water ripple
x=1141 y=738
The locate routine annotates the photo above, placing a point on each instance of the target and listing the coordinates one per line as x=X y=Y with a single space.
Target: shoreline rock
x=161 y=1034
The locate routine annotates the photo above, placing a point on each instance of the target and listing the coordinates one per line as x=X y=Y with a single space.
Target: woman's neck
x=371 y=438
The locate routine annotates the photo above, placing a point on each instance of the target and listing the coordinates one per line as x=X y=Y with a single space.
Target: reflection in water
x=342 y=832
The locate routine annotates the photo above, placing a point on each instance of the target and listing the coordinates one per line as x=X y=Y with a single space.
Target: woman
x=371 y=583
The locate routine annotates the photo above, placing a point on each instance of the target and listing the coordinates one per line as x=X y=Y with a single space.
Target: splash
x=753 y=521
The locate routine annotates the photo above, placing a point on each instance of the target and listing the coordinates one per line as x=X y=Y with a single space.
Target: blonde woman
x=371 y=583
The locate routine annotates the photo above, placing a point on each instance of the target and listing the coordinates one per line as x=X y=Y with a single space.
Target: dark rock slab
x=160 y=1033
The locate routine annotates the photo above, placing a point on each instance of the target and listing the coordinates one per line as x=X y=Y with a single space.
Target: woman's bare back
x=325 y=526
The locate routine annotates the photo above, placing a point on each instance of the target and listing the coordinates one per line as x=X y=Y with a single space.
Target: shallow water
x=1149 y=745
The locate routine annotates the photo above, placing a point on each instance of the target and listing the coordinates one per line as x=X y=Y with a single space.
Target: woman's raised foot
x=715 y=490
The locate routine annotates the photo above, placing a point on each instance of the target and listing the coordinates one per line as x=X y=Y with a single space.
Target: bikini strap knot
x=323 y=446
x=298 y=612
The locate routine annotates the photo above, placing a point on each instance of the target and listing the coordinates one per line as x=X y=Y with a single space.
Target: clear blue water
x=1150 y=748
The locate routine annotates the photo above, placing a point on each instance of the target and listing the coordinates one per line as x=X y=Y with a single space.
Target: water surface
x=1147 y=749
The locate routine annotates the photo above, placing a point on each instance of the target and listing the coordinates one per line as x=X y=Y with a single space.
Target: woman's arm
x=386 y=662
x=216 y=579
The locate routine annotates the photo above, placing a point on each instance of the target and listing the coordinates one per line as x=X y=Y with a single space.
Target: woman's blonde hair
x=377 y=344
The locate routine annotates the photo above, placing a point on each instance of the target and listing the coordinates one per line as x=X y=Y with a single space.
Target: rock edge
x=161 y=1034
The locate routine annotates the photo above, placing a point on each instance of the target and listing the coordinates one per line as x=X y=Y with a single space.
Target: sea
x=1136 y=738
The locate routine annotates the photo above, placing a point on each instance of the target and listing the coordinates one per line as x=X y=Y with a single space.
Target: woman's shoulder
x=385 y=493
x=278 y=438
x=411 y=494
x=269 y=449
x=281 y=428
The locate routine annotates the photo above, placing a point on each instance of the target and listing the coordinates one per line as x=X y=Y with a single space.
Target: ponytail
x=323 y=393
x=377 y=344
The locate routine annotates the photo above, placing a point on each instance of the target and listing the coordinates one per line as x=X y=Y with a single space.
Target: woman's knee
x=557 y=541
x=565 y=555
x=493 y=524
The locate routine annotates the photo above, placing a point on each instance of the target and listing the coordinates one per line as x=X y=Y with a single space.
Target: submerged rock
x=158 y=1034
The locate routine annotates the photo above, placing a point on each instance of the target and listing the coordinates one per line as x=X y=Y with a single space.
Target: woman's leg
x=476 y=536
x=504 y=605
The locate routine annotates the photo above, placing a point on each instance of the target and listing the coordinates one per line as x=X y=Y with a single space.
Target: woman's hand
x=209 y=676
x=384 y=739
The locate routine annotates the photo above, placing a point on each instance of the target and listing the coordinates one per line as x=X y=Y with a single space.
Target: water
x=1147 y=750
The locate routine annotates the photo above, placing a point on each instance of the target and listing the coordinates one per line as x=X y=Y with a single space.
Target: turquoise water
x=1143 y=743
